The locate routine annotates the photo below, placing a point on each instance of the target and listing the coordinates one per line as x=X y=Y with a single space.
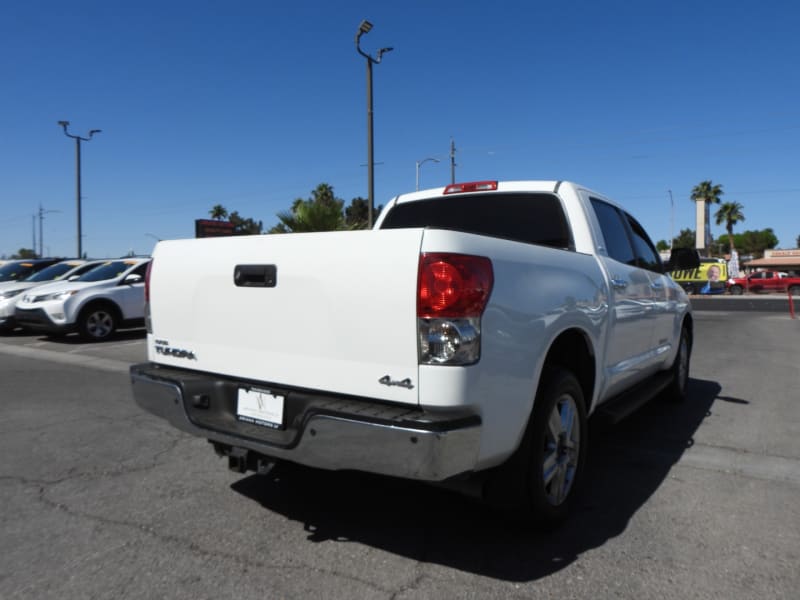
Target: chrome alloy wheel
x=561 y=449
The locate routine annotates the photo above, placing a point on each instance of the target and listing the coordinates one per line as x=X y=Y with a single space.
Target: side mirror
x=133 y=278
x=683 y=259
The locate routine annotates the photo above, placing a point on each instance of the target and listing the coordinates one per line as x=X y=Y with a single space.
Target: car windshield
x=16 y=271
x=52 y=272
x=109 y=270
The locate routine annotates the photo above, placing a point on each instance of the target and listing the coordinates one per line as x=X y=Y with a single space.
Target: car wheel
x=677 y=390
x=736 y=290
x=794 y=290
x=97 y=323
x=689 y=289
x=555 y=449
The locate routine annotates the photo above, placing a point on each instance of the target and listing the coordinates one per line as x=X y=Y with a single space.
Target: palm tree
x=322 y=212
x=709 y=194
x=729 y=213
x=218 y=212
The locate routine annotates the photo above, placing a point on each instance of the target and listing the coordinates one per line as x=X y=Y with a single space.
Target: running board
x=621 y=406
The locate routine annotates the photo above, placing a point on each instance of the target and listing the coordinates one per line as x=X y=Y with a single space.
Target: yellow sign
x=708 y=278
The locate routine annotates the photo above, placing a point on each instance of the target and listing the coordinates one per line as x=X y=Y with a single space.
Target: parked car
x=61 y=271
x=97 y=303
x=17 y=270
x=765 y=281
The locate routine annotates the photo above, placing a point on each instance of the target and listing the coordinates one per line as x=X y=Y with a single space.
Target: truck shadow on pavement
x=627 y=464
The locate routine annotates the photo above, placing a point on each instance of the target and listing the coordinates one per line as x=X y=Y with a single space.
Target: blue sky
x=251 y=104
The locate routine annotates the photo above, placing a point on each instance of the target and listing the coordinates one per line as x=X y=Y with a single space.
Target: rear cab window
x=531 y=218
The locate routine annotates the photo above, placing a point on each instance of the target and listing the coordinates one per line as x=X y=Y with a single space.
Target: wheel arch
x=572 y=350
x=106 y=303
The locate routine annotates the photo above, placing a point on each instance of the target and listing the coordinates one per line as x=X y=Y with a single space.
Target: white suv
x=95 y=305
x=66 y=270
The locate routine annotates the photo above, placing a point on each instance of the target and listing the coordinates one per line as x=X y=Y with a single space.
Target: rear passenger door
x=631 y=296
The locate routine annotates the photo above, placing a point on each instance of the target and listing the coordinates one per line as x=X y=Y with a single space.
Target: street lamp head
x=93 y=131
x=64 y=124
x=364 y=27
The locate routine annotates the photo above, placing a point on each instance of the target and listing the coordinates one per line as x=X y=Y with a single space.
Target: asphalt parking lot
x=101 y=500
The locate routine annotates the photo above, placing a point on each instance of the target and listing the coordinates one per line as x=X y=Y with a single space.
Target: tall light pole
x=422 y=162
x=78 y=139
x=362 y=29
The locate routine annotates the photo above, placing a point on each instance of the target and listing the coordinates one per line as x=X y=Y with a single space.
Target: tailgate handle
x=255 y=275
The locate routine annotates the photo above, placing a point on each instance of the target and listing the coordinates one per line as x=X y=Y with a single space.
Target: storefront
x=777 y=260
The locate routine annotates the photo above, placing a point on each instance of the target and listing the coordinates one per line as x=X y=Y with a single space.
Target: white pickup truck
x=466 y=338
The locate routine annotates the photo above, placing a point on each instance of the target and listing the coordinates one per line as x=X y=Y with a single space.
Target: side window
x=615 y=233
x=646 y=253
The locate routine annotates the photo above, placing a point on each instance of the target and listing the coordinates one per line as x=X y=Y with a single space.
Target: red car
x=765 y=281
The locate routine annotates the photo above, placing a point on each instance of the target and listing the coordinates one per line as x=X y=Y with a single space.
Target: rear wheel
x=794 y=290
x=97 y=323
x=736 y=290
x=679 y=385
x=554 y=449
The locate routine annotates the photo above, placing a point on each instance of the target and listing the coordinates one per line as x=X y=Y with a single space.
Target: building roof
x=774 y=261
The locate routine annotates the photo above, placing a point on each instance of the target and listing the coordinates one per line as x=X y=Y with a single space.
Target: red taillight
x=473 y=186
x=453 y=285
x=147 y=281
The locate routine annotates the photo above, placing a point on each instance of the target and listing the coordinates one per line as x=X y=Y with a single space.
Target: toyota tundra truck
x=465 y=339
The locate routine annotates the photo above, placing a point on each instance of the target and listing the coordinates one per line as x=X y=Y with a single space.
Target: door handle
x=619 y=284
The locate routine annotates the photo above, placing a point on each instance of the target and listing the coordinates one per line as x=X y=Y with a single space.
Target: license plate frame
x=259 y=406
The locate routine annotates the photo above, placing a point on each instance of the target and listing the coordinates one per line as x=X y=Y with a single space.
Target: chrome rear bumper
x=322 y=431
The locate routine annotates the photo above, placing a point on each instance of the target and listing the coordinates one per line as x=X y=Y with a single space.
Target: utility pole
x=42 y=213
x=365 y=27
x=452 y=161
x=78 y=139
x=671 y=220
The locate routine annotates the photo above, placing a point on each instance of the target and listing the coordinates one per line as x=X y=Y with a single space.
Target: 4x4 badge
x=405 y=383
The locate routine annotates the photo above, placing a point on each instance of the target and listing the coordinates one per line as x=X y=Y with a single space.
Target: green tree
x=797 y=241
x=709 y=194
x=218 y=212
x=322 y=212
x=25 y=253
x=245 y=225
x=729 y=213
x=356 y=214
x=685 y=239
x=662 y=245
x=755 y=242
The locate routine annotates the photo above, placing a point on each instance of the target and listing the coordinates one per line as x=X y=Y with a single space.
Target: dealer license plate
x=260 y=407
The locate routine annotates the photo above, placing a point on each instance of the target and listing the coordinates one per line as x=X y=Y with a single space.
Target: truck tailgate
x=339 y=316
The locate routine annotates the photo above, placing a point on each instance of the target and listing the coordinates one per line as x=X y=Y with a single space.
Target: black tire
x=737 y=290
x=677 y=391
x=689 y=289
x=548 y=466
x=794 y=290
x=97 y=323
